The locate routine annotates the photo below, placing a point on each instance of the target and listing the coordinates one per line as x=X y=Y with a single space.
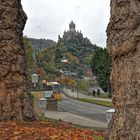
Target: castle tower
x=72 y=26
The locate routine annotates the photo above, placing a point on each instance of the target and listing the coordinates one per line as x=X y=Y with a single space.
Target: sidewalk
x=74 y=94
x=75 y=119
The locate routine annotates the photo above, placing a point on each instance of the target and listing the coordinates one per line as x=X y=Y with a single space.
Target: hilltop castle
x=71 y=33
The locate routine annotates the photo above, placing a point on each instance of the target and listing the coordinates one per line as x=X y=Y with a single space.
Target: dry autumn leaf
x=50 y=130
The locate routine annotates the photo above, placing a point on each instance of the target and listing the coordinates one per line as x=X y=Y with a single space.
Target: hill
x=41 y=43
x=47 y=55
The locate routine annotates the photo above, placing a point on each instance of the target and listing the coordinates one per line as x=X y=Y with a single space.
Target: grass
x=102 y=103
x=102 y=95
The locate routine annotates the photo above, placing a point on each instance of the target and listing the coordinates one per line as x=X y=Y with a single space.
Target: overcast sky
x=48 y=18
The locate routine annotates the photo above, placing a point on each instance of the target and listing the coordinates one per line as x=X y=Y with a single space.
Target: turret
x=72 y=26
x=59 y=38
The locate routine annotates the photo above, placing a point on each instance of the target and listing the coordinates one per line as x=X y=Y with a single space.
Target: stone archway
x=14 y=103
x=124 y=47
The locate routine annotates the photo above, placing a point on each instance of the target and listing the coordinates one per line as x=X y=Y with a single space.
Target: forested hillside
x=40 y=43
x=77 y=50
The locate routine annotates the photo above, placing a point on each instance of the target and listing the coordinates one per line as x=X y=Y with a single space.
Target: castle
x=71 y=33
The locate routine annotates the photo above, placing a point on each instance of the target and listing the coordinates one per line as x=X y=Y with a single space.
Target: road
x=88 y=110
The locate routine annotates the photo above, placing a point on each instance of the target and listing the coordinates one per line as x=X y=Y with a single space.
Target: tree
x=72 y=83
x=14 y=102
x=58 y=55
x=101 y=68
x=123 y=45
x=28 y=58
x=83 y=85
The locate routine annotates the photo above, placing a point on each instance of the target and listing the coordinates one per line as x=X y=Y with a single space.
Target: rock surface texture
x=14 y=103
x=124 y=47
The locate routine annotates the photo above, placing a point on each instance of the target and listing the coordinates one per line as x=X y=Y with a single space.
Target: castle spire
x=72 y=26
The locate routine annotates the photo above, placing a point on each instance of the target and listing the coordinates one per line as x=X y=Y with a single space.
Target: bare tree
x=14 y=103
x=124 y=47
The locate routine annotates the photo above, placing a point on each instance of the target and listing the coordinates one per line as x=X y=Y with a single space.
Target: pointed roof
x=72 y=25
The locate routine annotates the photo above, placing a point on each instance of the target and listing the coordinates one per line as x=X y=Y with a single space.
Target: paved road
x=91 y=111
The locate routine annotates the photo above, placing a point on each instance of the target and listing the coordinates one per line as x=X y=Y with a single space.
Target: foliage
x=84 y=85
x=40 y=44
x=101 y=67
x=72 y=82
x=58 y=55
x=49 y=130
x=31 y=97
x=28 y=57
x=40 y=71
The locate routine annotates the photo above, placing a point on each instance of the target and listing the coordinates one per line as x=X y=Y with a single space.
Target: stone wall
x=124 y=47
x=14 y=103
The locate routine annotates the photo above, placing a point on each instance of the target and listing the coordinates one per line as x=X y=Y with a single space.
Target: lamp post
x=42 y=104
x=34 y=79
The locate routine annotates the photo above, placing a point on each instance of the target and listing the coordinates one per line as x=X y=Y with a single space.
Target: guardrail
x=70 y=93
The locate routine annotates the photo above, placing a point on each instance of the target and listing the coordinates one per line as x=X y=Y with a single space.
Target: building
x=71 y=33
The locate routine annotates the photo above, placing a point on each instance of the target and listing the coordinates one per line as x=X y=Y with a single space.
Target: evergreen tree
x=58 y=55
x=101 y=68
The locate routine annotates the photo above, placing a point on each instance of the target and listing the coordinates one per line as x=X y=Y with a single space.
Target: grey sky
x=48 y=18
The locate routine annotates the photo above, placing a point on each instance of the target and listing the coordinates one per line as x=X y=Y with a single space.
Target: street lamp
x=42 y=104
x=34 y=79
